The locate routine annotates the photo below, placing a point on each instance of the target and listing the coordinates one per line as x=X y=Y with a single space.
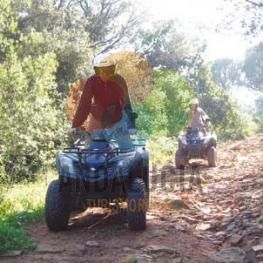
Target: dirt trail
x=184 y=225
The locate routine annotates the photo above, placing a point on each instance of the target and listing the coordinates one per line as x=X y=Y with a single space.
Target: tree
x=245 y=14
x=258 y=116
x=29 y=122
x=167 y=49
x=164 y=112
x=224 y=112
x=253 y=67
x=77 y=30
x=181 y=65
x=103 y=24
x=226 y=73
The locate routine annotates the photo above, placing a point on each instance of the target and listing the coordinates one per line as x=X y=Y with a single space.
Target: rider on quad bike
x=198 y=142
x=199 y=119
x=109 y=165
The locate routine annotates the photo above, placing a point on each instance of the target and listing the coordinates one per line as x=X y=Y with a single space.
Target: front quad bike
x=196 y=144
x=99 y=175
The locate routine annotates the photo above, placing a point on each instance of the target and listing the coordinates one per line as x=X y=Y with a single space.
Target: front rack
x=79 y=150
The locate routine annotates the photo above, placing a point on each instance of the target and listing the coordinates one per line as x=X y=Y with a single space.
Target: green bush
x=162 y=149
x=30 y=119
x=164 y=112
x=19 y=205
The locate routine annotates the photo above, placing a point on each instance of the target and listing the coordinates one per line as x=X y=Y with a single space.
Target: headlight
x=206 y=142
x=182 y=139
x=184 y=142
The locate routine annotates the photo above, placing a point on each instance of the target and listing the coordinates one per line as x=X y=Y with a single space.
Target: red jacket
x=104 y=100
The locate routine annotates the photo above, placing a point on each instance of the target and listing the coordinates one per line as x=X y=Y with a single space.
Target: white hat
x=102 y=61
x=194 y=101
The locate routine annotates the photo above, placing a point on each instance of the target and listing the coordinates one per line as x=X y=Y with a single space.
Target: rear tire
x=212 y=157
x=137 y=205
x=57 y=206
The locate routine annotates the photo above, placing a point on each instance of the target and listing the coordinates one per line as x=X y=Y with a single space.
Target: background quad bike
x=192 y=146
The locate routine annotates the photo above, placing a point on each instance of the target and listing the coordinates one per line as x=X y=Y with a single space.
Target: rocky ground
x=214 y=215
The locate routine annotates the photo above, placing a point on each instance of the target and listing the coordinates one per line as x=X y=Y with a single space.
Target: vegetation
x=253 y=67
x=20 y=204
x=161 y=149
x=258 y=116
x=246 y=14
x=163 y=113
x=40 y=60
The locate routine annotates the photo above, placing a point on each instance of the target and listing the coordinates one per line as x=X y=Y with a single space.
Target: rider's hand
x=72 y=131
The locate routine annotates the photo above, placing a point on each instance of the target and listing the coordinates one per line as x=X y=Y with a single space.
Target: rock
x=45 y=248
x=77 y=250
x=256 y=231
x=151 y=217
x=235 y=239
x=152 y=249
x=260 y=220
x=92 y=244
x=179 y=228
x=220 y=237
x=235 y=147
x=208 y=176
x=205 y=210
x=190 y=220
x=203 y=227
x=231 y=227
x=13 y=253
x=139 y=246
x=79 y=247
x=177 y=204
x=258 y=249
x=127 y=249
x=219 y=217
x=220 y=234
x=259 y=258
x=217 y=242
x=231 y=255
x=158 y=233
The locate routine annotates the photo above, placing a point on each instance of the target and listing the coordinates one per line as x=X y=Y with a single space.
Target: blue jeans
x=119 y=132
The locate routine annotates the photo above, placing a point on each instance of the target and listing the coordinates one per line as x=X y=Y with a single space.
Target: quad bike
x=196 y=144
x=104 y=175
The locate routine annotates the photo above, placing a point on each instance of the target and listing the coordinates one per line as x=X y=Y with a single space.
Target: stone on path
x=152 y=249
x=92 y=244
x=231 y=255
x=258 y=249
x=45 y=248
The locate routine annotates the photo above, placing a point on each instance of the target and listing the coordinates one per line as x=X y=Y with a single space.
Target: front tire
x=212 y=157
x=179 y=159
x=147 y=184
x=137 y=205
x=57 y=206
